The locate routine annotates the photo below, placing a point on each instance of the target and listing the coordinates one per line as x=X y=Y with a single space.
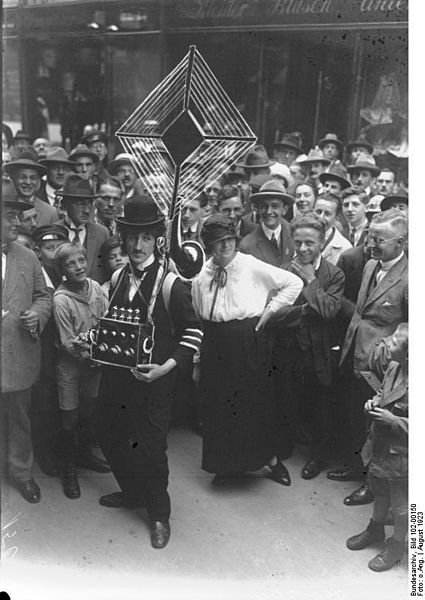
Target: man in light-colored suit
x=381 y=306
x=77 y=201
x=26 y=175
x=26 y=307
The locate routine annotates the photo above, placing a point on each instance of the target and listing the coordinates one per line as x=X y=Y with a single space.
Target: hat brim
x=17 y=205
x=56 y=161
x=309 y=161
x=350 y=147
x=285 y=198
x=89 y=154
x=245 y=166
x=325 y=141
x=24 y=164
x=389 y=200
x=75 y=196
x=330 y=176
x=364 y=167
x=130 y=225
x=114 y=165
x=225 y=236
x=297 y=149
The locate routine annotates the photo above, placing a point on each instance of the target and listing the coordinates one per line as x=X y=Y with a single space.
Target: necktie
x=274 y=243
x=351 y=236
x=77 y=239
x=187 y=235
x=374 y=279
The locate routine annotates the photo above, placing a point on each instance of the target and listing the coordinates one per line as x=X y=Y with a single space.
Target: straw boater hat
x=365 y=162
x=140 y=212
x=330 y=138
x=280 y=170
x=216 y=228
x=9 y=197
x=76 y=187
x=359 y=143
x=315 y=156
x=25 y=160
x=56 y=155
x=272 y=189
x=256 y=159
x=121 y=159
x=335 y=174
x=82 y=150
x=289 y=140
x=401 y=197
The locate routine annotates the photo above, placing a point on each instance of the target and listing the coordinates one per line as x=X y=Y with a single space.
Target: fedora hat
x=357 y=143
x=82 y=150
x=9 y=197
x=399 y=198
x=21 y=135
x=314 y=156
x=56 y=155
x=272 y=189
x=121 y=159
x=75 y=186
x=216 y=228
x=330 y=138
x=140 y=211
x=256 y=158
x=365 y=162
x=336 y=173
x=25 y=160
x=289 y=140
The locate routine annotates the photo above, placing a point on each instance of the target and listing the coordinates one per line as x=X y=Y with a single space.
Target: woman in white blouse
x=232 y=296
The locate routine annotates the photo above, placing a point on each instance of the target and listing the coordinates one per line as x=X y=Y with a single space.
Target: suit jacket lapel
x=90 y=246
x=11 y=277
x=390 y=279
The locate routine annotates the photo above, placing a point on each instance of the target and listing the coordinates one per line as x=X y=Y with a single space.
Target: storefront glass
x=11 y=89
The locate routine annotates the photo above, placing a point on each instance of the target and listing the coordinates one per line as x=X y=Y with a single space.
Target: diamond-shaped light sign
x=185 y=133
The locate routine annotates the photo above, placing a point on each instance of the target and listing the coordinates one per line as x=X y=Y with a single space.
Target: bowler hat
x=21 y=135
x=359 y=143
x=330 y=138
x=336 y=173
x=121 y=159
x=82 y=150
x=289 y=140
x=314 y=156
x=216 y=228
x=401 y=198
x=256 y=158
x=9 y=197
x=56 y=155
x=94 y=136
x=75 y=186
x=365 y=162
x=25 y=160
x=272 y=189
x=140 y=211
x=46 y=233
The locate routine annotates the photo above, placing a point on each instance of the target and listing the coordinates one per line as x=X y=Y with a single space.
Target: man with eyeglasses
x=77 y=201
x=109 y=204
x=381 y=306
x=26 y=307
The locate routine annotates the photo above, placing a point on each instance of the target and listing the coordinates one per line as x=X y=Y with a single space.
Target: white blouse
x=245 y=293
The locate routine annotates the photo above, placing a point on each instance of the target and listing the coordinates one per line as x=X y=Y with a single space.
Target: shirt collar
x=318 y=262
x=270 y=232
x=362 y=225
x=71 y=225
x=386 y=266
x=192 y=228
x=149 y=261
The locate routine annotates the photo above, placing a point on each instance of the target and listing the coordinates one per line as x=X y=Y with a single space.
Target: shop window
x=11 y=96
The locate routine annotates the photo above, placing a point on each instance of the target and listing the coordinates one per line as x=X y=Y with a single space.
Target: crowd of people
x=294 y=331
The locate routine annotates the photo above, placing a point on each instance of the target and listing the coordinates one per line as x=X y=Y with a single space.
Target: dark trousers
x=45 y=417
x=15 y=435
x=132 y=424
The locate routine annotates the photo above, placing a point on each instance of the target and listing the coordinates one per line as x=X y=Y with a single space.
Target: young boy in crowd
x=78 y=303
x=113 y=258
x=387 y=449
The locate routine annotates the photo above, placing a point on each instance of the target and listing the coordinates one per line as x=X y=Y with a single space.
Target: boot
x=71 y=487
x=390 y=555
x=374 y=532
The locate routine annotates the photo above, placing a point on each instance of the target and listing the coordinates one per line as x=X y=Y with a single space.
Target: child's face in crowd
x=74 y=267
x=116 y=259
x=46 y=252
x=398 y=346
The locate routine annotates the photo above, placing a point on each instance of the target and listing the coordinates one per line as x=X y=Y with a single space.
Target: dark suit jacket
x=351 y=262
x=197 y=236
x=95 y=237
x=346 y=233
x=257 y=244
x=24 y=288
x=46 y=214
x=377 y=314
x=316 y=308
x=247 y=225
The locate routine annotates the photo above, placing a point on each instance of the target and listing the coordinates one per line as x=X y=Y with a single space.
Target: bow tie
x=219 y=278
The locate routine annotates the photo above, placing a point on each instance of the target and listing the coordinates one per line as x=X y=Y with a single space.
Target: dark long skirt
x=236 y=390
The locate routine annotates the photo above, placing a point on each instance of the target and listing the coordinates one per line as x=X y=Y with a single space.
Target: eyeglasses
x=13 y=217
x=372 y=240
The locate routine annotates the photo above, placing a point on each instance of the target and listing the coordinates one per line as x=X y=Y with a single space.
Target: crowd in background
x=294 y=332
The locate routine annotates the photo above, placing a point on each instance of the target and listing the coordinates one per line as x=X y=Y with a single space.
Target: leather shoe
x=71 y=487
x=391 y=554
x=312 y=468
x=346 y=475
x=120 y=500
x=374 y=532
x=87 y=460
x=160 y=533
x=280 y=474
x=362 y=495
x=30 y=491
